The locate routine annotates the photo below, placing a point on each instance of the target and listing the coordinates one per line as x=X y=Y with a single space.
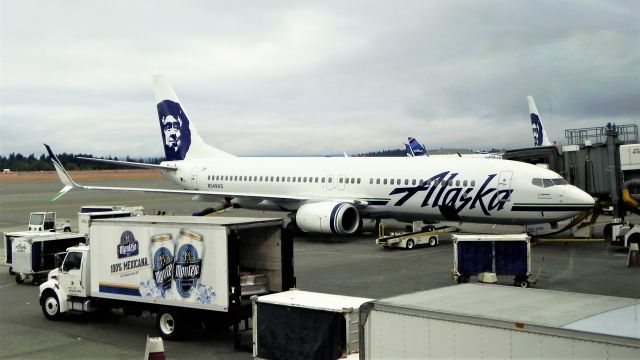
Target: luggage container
x=33 y=255
x=305 y=325
x=500 y=322
x=499 y=254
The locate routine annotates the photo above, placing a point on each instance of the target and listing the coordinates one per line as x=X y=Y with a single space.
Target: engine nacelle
x=328 y=217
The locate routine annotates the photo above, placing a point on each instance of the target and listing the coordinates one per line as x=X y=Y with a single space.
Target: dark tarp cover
x=474 y=257
x=286 y=332
x=511 y=257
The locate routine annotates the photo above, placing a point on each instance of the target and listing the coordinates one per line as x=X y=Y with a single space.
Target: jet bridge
x=599 y=160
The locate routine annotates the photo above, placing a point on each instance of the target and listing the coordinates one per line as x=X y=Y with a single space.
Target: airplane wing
x=70 y=184
x=132 y=164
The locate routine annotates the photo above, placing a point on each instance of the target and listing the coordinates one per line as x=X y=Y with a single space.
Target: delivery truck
x=187 y=271
x=475 y=321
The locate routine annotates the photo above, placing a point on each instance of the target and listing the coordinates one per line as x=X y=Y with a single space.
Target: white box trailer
x=299 y=324
x=86 y=218
x=186 y=270
x=8 y=238
x=34 y=255
x=494 y=322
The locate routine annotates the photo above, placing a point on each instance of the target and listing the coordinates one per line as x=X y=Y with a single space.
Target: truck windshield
x=36 y=219
x=72 y=261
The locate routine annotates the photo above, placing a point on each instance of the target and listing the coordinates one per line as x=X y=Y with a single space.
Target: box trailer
x=8 y=239
x=185 y=270
x=497 y=254
x=34 y=255
x=305 y=325
x=494 y=322
x=86 y=218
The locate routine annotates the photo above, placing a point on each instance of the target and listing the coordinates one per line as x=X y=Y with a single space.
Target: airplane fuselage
x=461 y=189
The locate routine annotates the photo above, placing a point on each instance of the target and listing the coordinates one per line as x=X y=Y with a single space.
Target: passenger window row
x=342 y=180
x=414 y=182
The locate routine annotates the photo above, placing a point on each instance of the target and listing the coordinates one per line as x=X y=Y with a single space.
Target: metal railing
x=598 y=135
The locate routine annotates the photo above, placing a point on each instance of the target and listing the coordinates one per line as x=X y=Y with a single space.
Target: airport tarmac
x=352 y=266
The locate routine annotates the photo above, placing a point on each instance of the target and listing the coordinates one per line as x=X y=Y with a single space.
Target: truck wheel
x=433 y=241
x=169 y=324
x=11 y=272
x=410 y=244
x=50 y=305
x=67 y=229
x=19 y=279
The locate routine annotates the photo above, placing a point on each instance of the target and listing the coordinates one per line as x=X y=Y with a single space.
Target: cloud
x=318 y=78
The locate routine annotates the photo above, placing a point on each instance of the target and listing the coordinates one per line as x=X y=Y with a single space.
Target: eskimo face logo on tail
x=174 y=126
x=536 y=127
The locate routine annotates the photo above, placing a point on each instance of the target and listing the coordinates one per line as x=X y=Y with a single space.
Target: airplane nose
x=580 y=198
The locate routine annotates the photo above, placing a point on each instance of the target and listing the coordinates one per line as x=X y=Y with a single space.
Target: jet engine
x=328 y=217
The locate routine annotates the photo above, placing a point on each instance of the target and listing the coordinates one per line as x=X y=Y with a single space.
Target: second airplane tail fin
x=179 y=135
x=417 y=149
x=540 y=137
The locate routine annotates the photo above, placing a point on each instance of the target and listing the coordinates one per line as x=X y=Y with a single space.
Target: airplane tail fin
x=180 y=138
x=540 y=137
x=66 y=180
x=417 y=149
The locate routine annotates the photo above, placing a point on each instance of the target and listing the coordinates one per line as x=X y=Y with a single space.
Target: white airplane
x=333 y=194
x=540 y=137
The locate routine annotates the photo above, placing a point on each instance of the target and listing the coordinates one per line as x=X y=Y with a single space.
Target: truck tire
x=67 y=229
x=50 y=305
x=11 y=272
x=433 y=241
x=169 y=324
x=410 y=244
x=19 y=279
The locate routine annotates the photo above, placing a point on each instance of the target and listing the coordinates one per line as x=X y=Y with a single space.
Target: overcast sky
x=290 y=77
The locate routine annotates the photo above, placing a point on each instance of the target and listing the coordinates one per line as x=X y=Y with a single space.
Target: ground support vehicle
x=186 y=270
x=305 y=325
x=499 y=254
x=34 y=255
x=499 y=322
x=46 y=221
x=421 y=235
x=624 y=233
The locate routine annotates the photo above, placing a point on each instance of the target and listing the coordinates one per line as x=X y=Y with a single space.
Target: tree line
x=19 y=162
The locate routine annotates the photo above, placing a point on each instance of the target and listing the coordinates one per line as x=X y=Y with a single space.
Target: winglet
x=62 y=174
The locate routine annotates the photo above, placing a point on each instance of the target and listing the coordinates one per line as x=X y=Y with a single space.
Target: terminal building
x=603 y=161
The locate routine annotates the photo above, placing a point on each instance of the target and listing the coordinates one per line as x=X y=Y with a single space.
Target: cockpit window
x=545 y=183
x=559 y=181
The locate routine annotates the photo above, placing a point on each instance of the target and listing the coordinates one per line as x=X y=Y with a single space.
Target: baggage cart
x=499 y=254
x=33 y=255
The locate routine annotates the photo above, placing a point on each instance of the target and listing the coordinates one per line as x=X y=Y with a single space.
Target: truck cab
x=67 y=287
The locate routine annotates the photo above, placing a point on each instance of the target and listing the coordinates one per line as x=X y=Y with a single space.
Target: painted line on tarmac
x=4 y=286
x=568 y=240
